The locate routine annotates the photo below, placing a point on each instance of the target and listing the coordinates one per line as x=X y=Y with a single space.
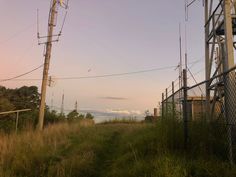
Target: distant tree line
x=29 y=98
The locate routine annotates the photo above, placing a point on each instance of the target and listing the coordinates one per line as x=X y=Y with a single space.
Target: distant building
x=196 y=107
x=152 y=118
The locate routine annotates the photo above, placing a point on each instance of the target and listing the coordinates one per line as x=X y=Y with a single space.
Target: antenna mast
x=62 y=104
x=180 y=57
x=76 y=106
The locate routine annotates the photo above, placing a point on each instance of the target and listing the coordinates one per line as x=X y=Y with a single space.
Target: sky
x=102 y=37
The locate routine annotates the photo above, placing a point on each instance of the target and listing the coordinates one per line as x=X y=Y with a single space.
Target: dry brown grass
x=24 y=151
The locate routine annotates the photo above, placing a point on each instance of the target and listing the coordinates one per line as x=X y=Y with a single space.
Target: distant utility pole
x=51 y=25
x=62 y=104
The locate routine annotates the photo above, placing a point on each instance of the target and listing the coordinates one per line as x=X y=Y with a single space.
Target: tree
x=73 y=115
x=26 y=97
x=22 y=98
x=19 y=98
x=89 y=116
x=51 y=116
x=81 y=116
x=6 y=105
x=147 y=113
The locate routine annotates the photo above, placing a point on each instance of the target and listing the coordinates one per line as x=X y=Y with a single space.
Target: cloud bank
x=113 y=98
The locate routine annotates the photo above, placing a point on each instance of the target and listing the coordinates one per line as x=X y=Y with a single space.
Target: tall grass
x=204 y=138
x=129 y=120
x=106 y=150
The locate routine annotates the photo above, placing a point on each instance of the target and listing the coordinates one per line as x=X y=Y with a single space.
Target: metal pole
x=173 y=100
x=229 y=79
x=207 y=59
x=166 y=102
x=180 y=57
x=202 y=107
x=185 y=113
x=46 y=64
x=162 y=105
x=17 y=120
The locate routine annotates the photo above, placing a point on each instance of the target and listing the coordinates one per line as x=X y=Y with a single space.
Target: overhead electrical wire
x=18 y=76
x=90 y=77
x=93 y=77
x=194 y=79
x=189 y=4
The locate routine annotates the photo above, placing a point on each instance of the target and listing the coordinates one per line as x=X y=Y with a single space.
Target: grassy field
x=105 y=150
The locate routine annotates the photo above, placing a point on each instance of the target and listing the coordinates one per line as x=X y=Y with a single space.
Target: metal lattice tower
x=220 y=29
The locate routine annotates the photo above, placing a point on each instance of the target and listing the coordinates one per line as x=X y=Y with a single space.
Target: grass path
x=108 y=155
x=111 y=150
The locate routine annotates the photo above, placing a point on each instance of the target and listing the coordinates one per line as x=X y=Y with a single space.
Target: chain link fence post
x=162 y=106
x=166 y=113
x=173 y=100
x=230 y=111
x=185 y=113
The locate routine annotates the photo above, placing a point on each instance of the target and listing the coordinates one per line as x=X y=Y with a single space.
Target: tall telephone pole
x=50 y=39
x=51 y=26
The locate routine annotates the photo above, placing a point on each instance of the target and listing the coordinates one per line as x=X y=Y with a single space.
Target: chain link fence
x=208 y=127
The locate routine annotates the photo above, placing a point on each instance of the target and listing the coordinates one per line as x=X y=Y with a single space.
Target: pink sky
x=106 y=36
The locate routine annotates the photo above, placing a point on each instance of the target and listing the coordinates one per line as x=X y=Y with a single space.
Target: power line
x=26 y=73
x=194 y=79
x=118 y=74
x=97 y=76
x=189 y=4
x=91 y=77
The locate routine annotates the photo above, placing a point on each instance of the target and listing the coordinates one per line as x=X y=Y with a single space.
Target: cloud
x=113 y=112
x=110 y=114
x=113 y=98
x=124 y=112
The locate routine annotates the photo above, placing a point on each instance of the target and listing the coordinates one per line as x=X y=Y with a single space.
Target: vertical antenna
x=38 y=24
x=186 y=48
x=186 y=10
x=76 y=106
x=62 y=103
x=52 y=101
x=180 y=66
x=180 y=59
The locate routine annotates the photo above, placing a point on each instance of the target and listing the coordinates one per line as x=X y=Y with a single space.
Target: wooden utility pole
x=52 y=19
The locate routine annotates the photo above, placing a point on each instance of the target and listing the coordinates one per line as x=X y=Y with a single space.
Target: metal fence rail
x=211 y=130
x=17 y=115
